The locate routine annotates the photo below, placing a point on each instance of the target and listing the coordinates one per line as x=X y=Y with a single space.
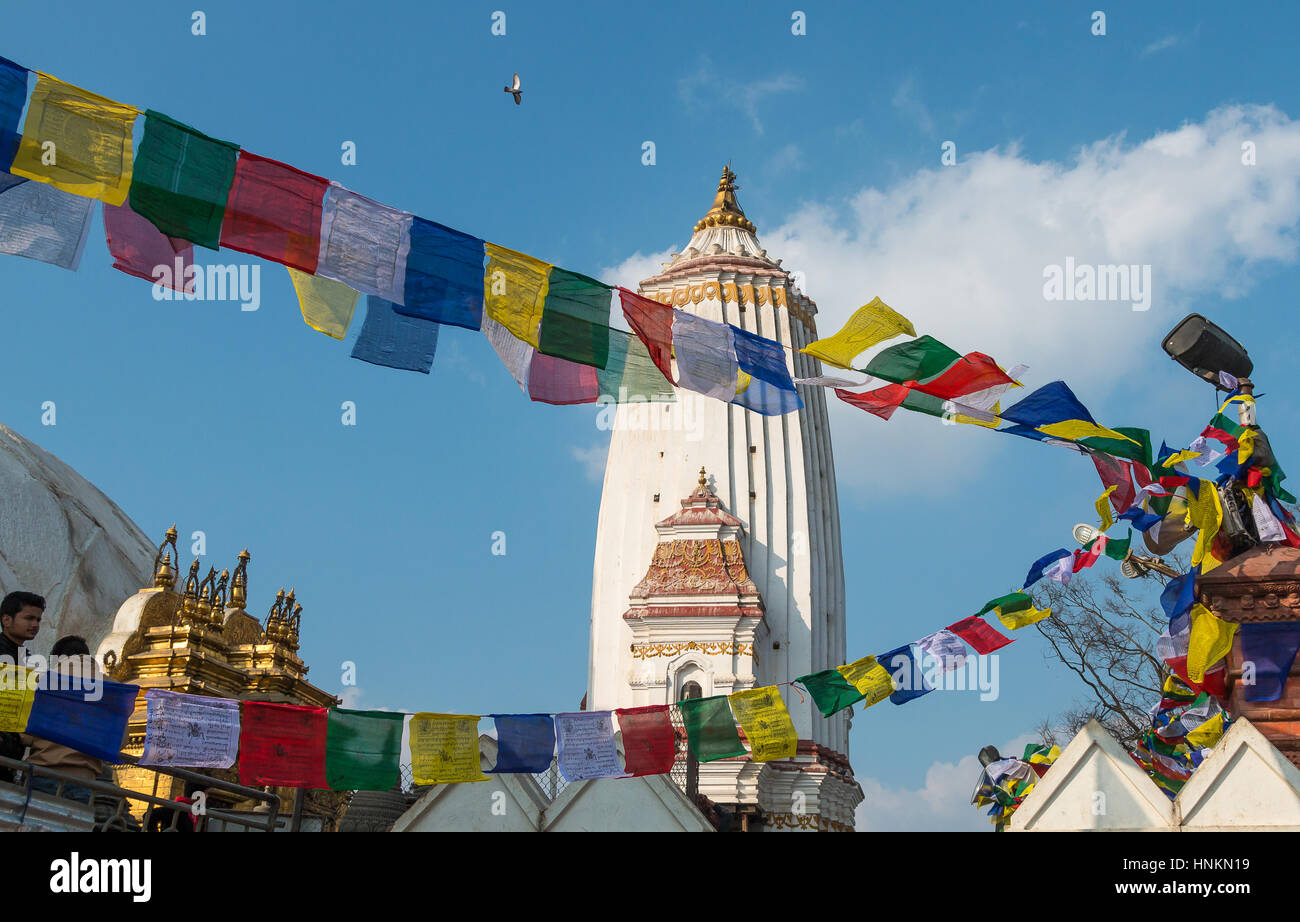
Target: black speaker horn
x=1205 y=349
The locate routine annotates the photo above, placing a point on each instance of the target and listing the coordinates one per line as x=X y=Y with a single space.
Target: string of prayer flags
x=831 y=691
x=364 y=244
x=706 y=356
x=515 y=354
x=870 y=678
x=920 y=359
x=1209 y=642
x=362 y=749
x=763 y=716
x=444 y=276
x=525 y=743
x=514 y=291
x=710 y=728
x=274 y=211
x=13 y=96
x=444 y=748
x=631 y=375
x=575 y=319
x=833 y=381
x=561 y=382
x=653 y=323
x=327 y=306
x=871 y=324
x=395 y=341
x=195 y=731
x=1039 y=566
x=182 y=180
x=282 y=745
x=982 y=636
x=66 y=711
x=76 y=141
x=943 y=648
x=1271 y=646
x=138 y=248
x=909 y=680
x=17 y=694
x=43 y=223
x=771 y=391
x=649 y=743
x=587 y=746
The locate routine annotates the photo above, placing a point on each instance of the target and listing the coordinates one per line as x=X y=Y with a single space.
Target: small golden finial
x=164 y=575
x=239 y=584
x=726 y=210
x=704 y=483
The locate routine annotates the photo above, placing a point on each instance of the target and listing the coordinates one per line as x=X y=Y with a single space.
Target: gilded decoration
x=704 y=567
x=712 y=647
x=806 y=821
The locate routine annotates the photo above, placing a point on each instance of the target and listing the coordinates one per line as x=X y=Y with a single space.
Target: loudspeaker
x=1204 y=349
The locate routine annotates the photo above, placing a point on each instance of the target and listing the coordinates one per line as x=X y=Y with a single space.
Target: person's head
x=72 y=645
x=20 y=615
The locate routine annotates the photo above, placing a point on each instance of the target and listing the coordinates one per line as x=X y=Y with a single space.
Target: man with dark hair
x=20 y=621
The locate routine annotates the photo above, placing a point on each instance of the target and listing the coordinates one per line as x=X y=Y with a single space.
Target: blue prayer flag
x=444 y=276
x=1180 y=593
x=395 y=341
x=909 y=681
x=1271 y=646
x=1051 y=403
x=771 y=390
x=13 y=96
x=525 y=743
x=1142 y=521
x=1039 y=565
x=85 y=715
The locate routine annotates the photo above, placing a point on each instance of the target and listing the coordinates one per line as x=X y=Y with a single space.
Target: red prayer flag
x=274 y=211
x=282 y=744
x=138 y=248
x=981 y=635
x=653 y=322
x=1115 y=473
x=1229 y=441
x=1215 y=681
x=561 y=382
x=649 y=745
x=973 y=372
x=1254 y=477
x=882 y=401
x=1141 y=476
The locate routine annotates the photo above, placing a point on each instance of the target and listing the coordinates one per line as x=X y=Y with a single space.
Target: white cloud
x=351 y=697
x=707 y=87
x=787 y=159
x=942 y=804
x=636 y=267
x=1160 y=44
x=908 y=101
x=593 y=460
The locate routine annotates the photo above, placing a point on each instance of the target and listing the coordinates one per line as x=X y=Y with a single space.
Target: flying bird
x=515 y=91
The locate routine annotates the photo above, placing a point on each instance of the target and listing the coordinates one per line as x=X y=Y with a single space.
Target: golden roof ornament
x=164 y=574
x=203 y=608
x=239 y=585
x=190 y=596
x=726 y=210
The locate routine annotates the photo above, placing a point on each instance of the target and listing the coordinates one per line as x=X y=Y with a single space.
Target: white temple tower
x=670 y=615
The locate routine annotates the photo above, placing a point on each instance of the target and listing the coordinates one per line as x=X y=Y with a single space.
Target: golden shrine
x=202 y=641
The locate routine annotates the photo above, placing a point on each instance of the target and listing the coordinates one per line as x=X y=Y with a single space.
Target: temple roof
x=725 y=232
x=702 y=507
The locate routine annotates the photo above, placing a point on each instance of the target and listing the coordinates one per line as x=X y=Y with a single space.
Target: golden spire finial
x=164 y=575
x=726 y=210
x=704 y=484
x=239 y=584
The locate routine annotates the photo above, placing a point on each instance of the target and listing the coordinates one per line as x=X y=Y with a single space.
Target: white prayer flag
x=1266 y=523
x=43 y=223
x=587 y=747
x=364 y=244
x=514 y=353
x=193 y=731
x=943 y=647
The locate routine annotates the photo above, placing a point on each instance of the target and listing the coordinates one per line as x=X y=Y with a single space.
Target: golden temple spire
x=726 y=210
x=164 y=573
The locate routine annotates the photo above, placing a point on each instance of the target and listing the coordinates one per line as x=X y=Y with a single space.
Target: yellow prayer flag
x=1245 y=445
x=870 y=324
x=1205 y=512
x=17 y=692
x=1179 y=457
x=1208 y=733
x=326 y=305
x=1080 y=429
x=870 y=678
x=1014 y=621
x=514 y=291
x=1210 y=641
x=76 y=141
x=763 y=716
x=444 y=748
x=1103 y=508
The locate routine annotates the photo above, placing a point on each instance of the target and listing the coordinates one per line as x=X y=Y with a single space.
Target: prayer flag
x=364 y=244
x=444 y=748
x=140 y=249
x=982 y=636
x=193 y=731
x=1116 y=477
x=1209 y=642
x=649 y=744
x=881 y=401
x=326 y=305
x=525 y=743
x=63 y=712
x=1271 y=646
x=870 y=324
x=17 y=693
x=444 y=276
x=834 y=381
x=586 y=744
x=1208 y=733
x=182 y=180
x=1012 y=602
x=653 y=323
x=1205 y=512
x=870 y=678
x=282 y=745
x=1117 y=548
x=514 y=291
x=771 y=391
x=514 y=353
x=1038 y=567
x=575 y=319
x=362 y=749
x=43 y=223
x=1054 y=410
x=76 y=141
x=909 y=680
x=1015 y=620
x=13 y=96
x=561 y=382
x=917 y=360
x=274 y=211
x=973 y=372
x=631 y=374
x=710 y=728
x=387 y=338
x=763 y=716
x=706 y=356
x=944 y=648
x=831 y=691
x=1103 y=508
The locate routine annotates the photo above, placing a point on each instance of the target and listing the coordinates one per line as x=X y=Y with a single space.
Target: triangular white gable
x=651 y=803
x=1094 y=784
x=1244 y=783
x=505 y=803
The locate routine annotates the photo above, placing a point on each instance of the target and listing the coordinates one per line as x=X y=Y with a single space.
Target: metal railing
x=24 y=808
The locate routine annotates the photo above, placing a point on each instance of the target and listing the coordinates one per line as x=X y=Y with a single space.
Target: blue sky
x=229 y=421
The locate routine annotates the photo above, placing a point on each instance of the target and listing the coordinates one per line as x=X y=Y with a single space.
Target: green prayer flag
x=916 y=360
x=575 y=319
x=630 y=375
x=182 y=179
x=710 y=728
x=362 y=749
x=1013 y=602
x=830 y=691
x=1121 y=448
x=1230 y=426
x=1118 y=549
